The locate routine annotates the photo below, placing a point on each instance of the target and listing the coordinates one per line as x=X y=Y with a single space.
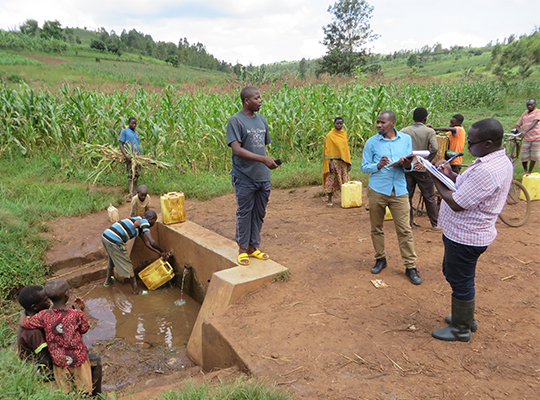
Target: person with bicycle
x=528 y=127
x=467 y=217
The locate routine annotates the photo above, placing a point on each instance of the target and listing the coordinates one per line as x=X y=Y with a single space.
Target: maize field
x=189 y=128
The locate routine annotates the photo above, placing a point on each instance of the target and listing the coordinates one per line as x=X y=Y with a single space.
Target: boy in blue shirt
x=130 y=143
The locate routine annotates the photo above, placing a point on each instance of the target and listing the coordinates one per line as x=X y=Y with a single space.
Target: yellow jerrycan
x=156 y=274
x=351 y=194
x=532 y=184
x=173 y=207
x=388 y=215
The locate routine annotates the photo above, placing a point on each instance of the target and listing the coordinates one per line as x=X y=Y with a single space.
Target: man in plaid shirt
x=467 y=217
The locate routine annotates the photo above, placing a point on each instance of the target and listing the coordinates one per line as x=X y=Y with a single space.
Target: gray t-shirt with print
x=252 y=133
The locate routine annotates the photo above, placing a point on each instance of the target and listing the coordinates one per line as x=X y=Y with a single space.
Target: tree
x=98 y=44
x=412 y=60
x=52 y=30
x=30 y=27
x=302 y=69
x=345 y=36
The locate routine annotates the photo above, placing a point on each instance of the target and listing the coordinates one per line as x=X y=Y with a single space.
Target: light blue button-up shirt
x=386 y=179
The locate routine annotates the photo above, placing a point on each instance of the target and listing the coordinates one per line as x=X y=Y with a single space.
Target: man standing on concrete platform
x=423 y=138
x=248 y=135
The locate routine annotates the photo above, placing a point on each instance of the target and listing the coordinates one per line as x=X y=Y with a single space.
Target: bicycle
x=517 y=209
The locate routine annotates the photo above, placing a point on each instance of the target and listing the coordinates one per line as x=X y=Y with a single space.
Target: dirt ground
x=47 y=60
x=328 y=333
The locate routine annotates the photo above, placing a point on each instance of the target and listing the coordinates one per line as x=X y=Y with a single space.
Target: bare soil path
x=328 y=333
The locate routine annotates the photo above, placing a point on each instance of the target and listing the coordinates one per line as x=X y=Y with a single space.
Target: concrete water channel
x=213 y=281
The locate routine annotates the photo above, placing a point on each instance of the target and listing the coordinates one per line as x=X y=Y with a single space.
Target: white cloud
x=267 y=31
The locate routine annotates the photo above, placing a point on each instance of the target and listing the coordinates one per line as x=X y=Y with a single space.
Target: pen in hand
x=446 y=162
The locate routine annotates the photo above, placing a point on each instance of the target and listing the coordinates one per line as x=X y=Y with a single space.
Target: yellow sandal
x=260 y=255
x=243 y=259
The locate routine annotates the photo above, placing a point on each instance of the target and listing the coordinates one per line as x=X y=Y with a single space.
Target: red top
x=63 y=331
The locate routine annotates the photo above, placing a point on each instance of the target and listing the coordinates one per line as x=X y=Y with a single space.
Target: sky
x=268 y=31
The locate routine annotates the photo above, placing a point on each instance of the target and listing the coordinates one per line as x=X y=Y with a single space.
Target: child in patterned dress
x=64 y=327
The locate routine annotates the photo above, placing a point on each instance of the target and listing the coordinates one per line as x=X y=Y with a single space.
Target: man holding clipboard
x=385 y=158
x=467 y=216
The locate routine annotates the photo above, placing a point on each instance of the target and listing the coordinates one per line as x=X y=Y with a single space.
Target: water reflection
x=159 y=318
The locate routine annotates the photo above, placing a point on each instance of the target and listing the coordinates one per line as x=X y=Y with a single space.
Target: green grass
x=33 y=191
x=10 y=58
x=238 y=390
x=143 y=73
x=22 y=381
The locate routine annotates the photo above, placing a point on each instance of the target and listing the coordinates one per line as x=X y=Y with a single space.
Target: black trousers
x=425 y=184
x=459 y=267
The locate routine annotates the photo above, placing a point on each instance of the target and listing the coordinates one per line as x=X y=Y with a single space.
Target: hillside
x=83 y=57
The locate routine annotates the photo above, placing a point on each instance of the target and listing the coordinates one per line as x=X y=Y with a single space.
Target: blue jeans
x=459 y=267
x=252 y=198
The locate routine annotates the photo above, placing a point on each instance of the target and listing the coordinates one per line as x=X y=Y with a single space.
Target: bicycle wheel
x=516 y=211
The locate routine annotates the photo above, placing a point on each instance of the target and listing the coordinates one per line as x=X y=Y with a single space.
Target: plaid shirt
x=481 y=192
x=527 y=120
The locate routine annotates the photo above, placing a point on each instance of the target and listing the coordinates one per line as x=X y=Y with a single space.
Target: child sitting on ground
x=140 y=203
x=64 y=327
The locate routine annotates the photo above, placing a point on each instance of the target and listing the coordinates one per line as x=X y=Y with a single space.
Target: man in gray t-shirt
x=248 y=135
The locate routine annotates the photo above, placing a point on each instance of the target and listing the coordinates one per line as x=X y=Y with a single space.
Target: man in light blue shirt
x=385 y=158
x=130 y=144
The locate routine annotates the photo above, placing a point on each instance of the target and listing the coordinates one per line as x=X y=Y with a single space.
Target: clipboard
x=449 y=183
x=417 y=153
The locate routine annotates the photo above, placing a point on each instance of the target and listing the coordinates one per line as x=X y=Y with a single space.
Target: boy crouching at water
x=64 y=327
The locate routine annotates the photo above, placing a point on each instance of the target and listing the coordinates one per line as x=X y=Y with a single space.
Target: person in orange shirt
x=456 y=134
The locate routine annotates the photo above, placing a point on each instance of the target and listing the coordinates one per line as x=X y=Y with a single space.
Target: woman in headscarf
x=336 y=159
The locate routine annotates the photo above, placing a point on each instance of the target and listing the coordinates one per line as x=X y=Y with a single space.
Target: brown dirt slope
x=328 y=333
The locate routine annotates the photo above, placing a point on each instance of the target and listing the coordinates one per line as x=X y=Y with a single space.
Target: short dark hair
x=420 y=114
x=150 y=214
x=338 y=119
x=531 y=99
x=29 y=296
x=489 y=129
x=459 y=117
x=131 y=119
x=56 y=289
x=246 y=92
x=390 y=113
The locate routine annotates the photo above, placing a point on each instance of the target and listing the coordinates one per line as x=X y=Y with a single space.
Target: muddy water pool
x=162 y=317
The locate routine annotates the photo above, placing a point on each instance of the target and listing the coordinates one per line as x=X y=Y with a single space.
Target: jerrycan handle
x=166 y=265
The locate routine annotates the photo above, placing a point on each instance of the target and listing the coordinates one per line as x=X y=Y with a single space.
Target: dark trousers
x=459 y=267
x=425 y=184
x=251 y=198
